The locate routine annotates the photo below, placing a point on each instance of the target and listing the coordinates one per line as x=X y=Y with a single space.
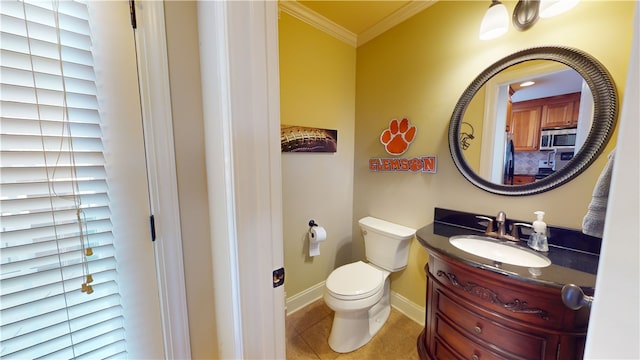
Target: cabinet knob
x=475 y=357
x=477 y=329
x=574 y=298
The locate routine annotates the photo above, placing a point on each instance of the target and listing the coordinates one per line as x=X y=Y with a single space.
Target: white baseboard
x=304 y=298
x=405 y=306
x=410 y=309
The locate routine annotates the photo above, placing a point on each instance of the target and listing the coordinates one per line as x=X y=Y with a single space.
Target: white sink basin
x=496 y=250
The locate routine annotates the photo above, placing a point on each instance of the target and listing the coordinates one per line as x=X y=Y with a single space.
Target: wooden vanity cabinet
x=478 y=314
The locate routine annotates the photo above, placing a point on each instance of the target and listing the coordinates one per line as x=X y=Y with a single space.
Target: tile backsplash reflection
x=526 y=162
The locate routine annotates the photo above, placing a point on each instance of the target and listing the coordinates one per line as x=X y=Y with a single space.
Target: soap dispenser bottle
x=538 y=239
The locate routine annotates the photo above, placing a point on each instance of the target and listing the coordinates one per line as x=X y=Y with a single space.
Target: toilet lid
x=355 y=281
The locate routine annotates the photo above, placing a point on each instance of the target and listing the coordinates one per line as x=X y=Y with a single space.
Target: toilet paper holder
x=317 y=235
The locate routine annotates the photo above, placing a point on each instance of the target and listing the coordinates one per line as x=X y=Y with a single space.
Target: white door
x=44 y=311
x=117 y=80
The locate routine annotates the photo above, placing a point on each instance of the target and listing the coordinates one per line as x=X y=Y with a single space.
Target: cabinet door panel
x=525 y=128
x=561 y=111
x=557 y=115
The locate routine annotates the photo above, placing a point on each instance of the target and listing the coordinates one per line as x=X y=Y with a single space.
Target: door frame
x=155 y=98
x=239 y=47
x=241 y=109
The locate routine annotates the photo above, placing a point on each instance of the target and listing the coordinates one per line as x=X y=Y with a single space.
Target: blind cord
x=46 y=166
x=50 y=173
x=80 y=215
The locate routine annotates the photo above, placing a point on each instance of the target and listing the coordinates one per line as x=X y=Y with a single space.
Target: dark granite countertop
x=568 y=266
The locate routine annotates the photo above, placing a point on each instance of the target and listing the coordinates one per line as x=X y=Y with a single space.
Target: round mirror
x=509 y=138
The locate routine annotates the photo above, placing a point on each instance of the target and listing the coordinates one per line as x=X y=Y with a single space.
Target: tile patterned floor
x=308 y=329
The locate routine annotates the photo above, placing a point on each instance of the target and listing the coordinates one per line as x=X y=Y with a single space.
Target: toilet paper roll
x=317 y=234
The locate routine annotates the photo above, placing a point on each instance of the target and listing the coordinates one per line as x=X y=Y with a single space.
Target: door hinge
x=152 y=223
x=278 y=277
x=132 y=12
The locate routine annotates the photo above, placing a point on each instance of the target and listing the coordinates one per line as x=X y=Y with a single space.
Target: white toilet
x=359 y=292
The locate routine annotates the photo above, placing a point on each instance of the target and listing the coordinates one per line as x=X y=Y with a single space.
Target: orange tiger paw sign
x=398 y=136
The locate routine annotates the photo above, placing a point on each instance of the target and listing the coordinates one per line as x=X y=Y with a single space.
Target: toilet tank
x=386 y=244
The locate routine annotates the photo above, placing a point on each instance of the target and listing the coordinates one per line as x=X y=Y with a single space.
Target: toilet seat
x=355 y=281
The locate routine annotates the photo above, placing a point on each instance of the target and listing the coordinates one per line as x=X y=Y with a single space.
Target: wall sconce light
x=526 y=13
x=495 y=22
x=550 y=8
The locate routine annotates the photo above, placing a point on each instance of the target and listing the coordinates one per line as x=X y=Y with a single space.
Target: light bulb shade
x=550 y=8
x=495 y=22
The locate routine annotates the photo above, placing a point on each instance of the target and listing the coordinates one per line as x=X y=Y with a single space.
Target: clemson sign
x=396 y=140
x=426 y=164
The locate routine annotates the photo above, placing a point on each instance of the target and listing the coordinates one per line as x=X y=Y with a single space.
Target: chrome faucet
x=501 y=220
x=501 y=231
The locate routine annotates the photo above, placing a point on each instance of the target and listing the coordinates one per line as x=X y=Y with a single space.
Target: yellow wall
x=419 y=69
x=317 y=89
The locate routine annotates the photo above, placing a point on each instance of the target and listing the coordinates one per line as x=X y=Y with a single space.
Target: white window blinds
x=55 y=217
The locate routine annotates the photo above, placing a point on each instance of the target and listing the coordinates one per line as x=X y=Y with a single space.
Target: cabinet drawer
x=538 y=306
x=442 y=352
x=461 y=344
x=515 y=342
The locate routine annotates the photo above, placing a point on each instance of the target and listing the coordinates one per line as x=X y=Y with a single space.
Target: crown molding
x=303 y=13
x=398 y=16
x=318 y=21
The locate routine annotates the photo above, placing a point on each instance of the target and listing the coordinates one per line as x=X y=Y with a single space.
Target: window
x=55 y=217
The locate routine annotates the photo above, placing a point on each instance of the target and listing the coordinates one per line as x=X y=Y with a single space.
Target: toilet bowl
x=358 y=293
x=354 y=291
